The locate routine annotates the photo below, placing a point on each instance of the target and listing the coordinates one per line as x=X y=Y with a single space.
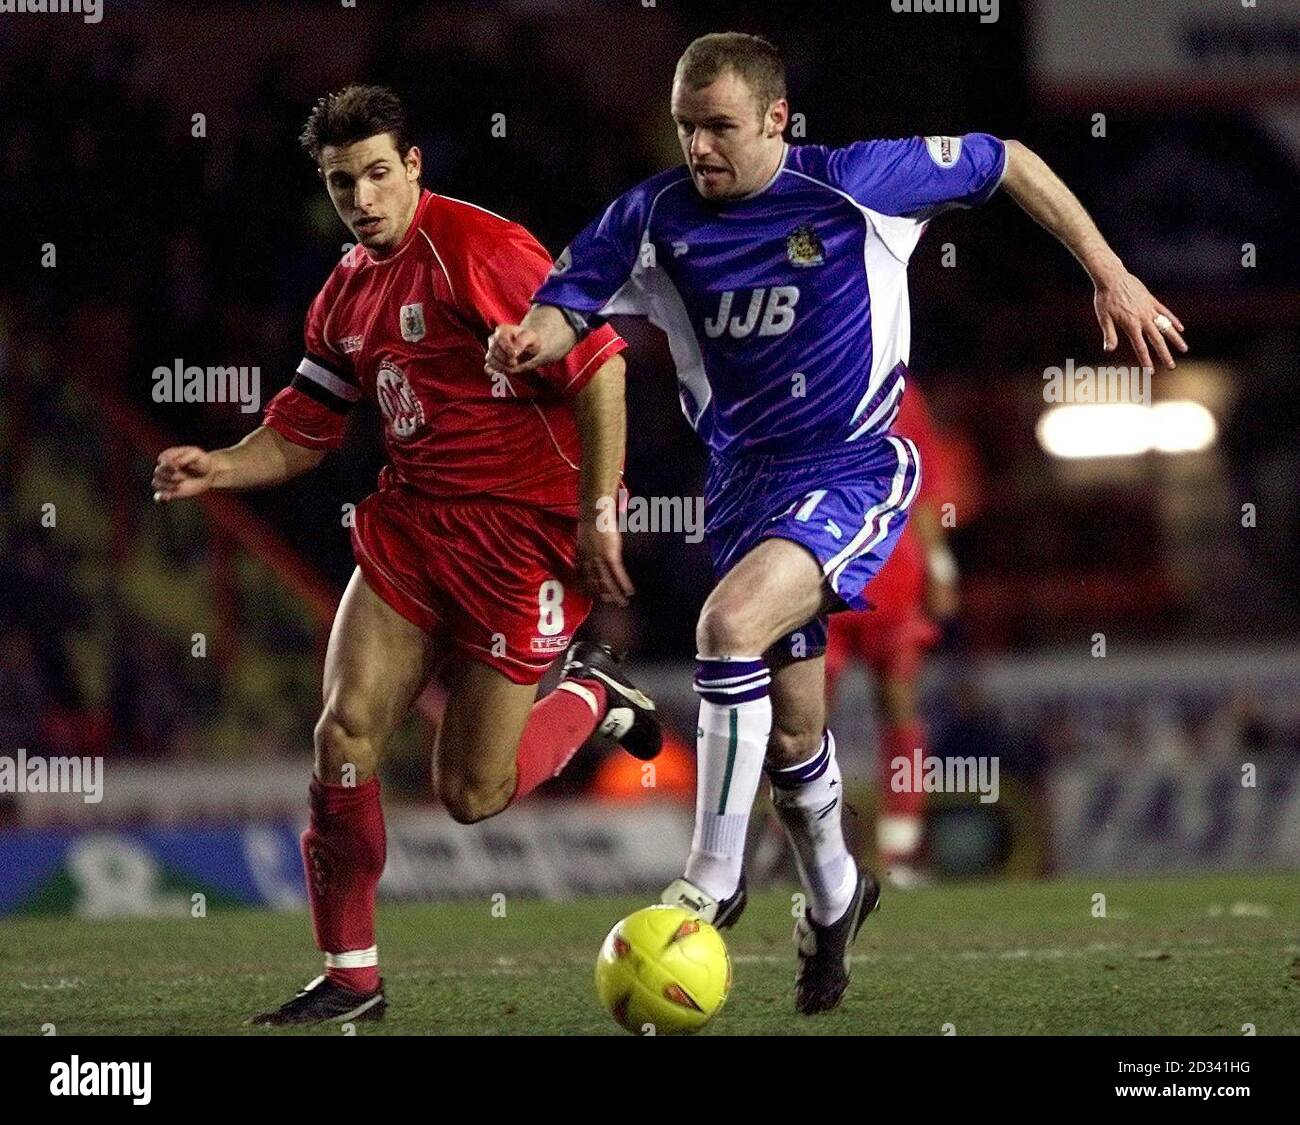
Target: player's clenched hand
x=512 y=349
x=183 y=470
x=600 y=562
x=1125 y=303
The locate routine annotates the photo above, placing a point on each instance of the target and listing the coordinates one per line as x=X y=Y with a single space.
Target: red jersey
x=410 y=332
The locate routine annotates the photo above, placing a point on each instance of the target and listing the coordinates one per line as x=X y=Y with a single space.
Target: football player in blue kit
x=779 y=274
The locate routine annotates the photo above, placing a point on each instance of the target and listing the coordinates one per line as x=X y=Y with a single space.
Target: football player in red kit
x=480 y=552
x=916 y=586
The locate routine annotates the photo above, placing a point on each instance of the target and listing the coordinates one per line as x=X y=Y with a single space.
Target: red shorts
x=496 y=578
x=890 y=643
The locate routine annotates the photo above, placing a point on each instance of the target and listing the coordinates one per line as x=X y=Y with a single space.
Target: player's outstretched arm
x=601 y=415
x=1121 y=300
x=543 y=337
x=263 y=458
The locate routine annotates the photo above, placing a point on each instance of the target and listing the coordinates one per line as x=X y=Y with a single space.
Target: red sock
x=559 y=724
x=343 y=850
x=900 y=815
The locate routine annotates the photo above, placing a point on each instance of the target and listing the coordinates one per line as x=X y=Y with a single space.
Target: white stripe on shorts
x=882 y=513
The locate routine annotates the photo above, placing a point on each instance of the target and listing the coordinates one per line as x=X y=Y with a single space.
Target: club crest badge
x=412 y=318
x=804 y=248
x=402 y=410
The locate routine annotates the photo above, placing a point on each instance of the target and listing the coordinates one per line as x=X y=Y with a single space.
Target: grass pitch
x=1181 y=956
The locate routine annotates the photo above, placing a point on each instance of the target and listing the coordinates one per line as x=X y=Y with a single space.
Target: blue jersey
x=787 y=311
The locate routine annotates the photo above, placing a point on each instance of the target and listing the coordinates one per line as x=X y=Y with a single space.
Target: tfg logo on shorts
x=102 y=1079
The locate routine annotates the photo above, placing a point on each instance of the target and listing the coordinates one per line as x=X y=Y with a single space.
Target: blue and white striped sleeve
x=597 y=266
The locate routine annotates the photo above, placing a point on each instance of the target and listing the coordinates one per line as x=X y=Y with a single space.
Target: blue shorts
x=847 y=505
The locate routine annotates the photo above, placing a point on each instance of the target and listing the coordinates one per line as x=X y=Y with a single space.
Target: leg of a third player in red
x=901 y=821
x=498 y=742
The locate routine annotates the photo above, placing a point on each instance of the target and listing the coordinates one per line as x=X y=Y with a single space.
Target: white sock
x=808 y=799
x=735 y=721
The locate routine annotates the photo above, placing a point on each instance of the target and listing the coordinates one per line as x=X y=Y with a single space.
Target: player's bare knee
x=471 y=800
x=792 y=745
x=724 y=631
x=347 y=747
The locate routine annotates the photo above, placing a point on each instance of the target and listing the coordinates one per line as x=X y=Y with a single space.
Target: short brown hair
x=353 y=114
x=751 y=57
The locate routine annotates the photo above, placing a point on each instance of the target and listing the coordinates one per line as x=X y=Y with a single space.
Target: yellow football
x=663 y=971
